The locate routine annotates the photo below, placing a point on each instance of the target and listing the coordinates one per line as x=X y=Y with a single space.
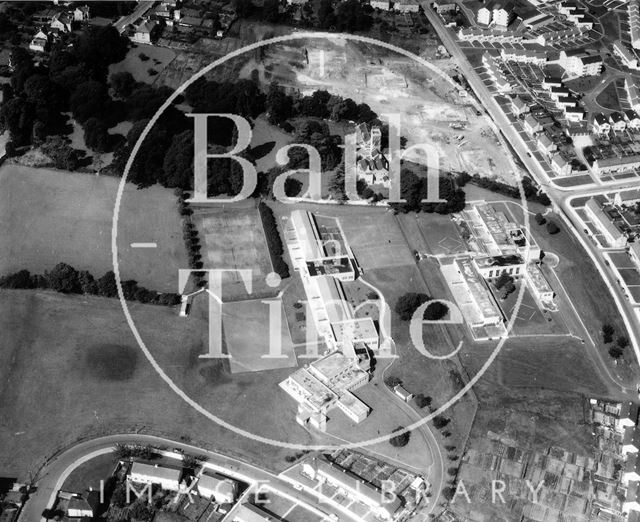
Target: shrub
x=436 y=311
x=616 y=352
x=392 y=381
x=552 y=228
x=409 y=303
x=274 y=242
x=540 y=219
x=422 y=401
x=440 y=421
x=400 y=440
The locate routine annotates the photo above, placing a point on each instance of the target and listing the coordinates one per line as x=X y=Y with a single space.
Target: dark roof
x=594 y=58
x=616 y=117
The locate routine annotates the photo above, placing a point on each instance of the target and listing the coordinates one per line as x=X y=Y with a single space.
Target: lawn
x=37 y=205
x=89 y=474
x=55 y=390
x=157 y=58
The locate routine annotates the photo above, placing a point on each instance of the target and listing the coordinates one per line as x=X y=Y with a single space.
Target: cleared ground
x=52 y=216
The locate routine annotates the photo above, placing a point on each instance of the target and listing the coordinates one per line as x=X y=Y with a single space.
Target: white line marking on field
x=144 y=245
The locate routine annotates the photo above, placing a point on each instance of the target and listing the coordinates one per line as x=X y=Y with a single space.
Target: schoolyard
x=53 y=216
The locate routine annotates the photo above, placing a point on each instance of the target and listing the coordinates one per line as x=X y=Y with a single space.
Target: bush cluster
x=67 y=280
x=274 y=242
x=531 y=191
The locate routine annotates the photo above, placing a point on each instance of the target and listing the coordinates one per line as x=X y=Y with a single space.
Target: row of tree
x=274 y=242
x=530 y=190
x=66 y=279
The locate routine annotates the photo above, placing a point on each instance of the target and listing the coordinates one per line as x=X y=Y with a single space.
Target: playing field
x=52 y=216
x=55 y=388
x=234 y=239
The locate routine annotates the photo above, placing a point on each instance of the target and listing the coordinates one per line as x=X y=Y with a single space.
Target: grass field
x=37 y=205
x=90 y=473
x=52 y=392
x=157 y=59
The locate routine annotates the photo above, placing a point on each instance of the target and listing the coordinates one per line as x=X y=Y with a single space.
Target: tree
x=107 y=285
x=409 y=303
x=61 y=153
x=243 y=7
x=540 y=219
x=278 y=105
x=502 y=280
x=64 y=278
x=178 y=162
x=122 y=84
x=616 y=352
x=326 y=16
x=552 y=228
x=607 y=332
x=400 y=440
x=271 y=11
x=96 y=135
x=90 y=99
x=440 y=421
x=19 y=280
x=436 y=311
x=622 y=341
x=392 y=381
x=351 y=16
x=422 y=401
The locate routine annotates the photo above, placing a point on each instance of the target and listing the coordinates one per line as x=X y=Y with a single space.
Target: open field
x=54 y=391
x=144 y=70
x=89 y=474
x=38 y=205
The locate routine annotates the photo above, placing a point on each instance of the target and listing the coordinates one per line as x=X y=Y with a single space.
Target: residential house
x=603 y=223
x=632 y=119
x=81 y=14
x=574 y=114
x=564 y=102
x=617 y=121
x=551 y=81
x=634 y=252
x=616 y=164
x=578 y=62
x=445 y=7
x=40 y=42
x=546 y=144
x=633 y=93
x=78 y=507
x=503 y=14
x=630 y=443
x=626 y=55
x=531 y=125
x=167 y=478
x=61 y=22
x=633 y=8
x=217 y=487
x=557 y=92
x=146 y=32
x=601 y=124
x=560 y=165
x=485 y=15
x=627 y=197
x=251 y=513
x=519 y=106
x=524 y=56
x=495 y=72
x=537 y=20
x=406 y=6
x=380 y=4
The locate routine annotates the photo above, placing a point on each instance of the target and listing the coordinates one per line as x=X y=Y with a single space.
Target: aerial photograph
x=320 y=261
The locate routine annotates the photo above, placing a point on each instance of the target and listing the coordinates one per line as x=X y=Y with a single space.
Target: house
x=560 y=165
x=633 y=8
x=627 y=416
x=574 y=114
x=40 y=42
x=634 y=252
x=603 y=223
x=616 y=164
x=379 y=4
x=617 y=121
x=406 y=6
x=445 y=7
x=578 y=62
x=632 y=119
x=630 y=443
x=627 y=197
x=519 y=106
x=556 y=92
x=626 y=55
x=546 y=145
x=484 y=16
x=531 y=125
x=537 y=20
x=503 y=14
x=633 y=93
x=61 y=22
x=217 y=487
x=78 y=507
x=402 y=393
x=81 y=14
x=551 y=81
x=564 y=102
x=146 y=32
x=497 y=76
x=167 y=478
x=601 y=124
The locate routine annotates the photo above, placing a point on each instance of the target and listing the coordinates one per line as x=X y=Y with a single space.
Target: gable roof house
x=61 y=22
x=40 y=42
x=617 y=121
x=531 y=125
x=632 y=119
x=145 y=32
x=81 y=14
x=600 y=124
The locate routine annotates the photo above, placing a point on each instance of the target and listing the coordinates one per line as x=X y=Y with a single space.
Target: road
x=129 y=19
x=57 y=470
x=560 y=196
